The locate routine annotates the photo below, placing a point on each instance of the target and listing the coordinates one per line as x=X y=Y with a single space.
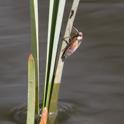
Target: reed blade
x=48 y=51
x=35 y=46
x=31 y=91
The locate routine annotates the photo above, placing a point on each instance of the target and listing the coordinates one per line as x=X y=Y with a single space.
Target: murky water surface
x=93 y=81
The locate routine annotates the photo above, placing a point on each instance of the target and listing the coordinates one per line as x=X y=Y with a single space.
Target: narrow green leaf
x=31 y=91
x=35 y=46
x=48 y=51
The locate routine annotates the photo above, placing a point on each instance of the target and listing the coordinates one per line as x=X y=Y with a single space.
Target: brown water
x=93 y=80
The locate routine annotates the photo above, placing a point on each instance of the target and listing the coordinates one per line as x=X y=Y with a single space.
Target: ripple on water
x=18 y=114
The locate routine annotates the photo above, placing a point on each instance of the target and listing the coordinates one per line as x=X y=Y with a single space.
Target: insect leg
x=66 y=42
x=64 y=39
x=75 y=30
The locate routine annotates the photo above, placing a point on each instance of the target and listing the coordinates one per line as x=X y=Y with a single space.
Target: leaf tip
x=30 y=57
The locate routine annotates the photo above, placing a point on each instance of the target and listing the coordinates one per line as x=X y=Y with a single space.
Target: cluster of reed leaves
x=53 y=71
x=56 y=11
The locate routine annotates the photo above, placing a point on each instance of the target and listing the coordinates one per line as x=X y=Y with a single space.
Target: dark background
x=93 y=80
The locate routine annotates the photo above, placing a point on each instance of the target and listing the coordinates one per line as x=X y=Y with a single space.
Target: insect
x=73 y=44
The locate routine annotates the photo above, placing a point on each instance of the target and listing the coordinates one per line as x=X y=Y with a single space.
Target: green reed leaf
x=31 y=91
x=35 y=46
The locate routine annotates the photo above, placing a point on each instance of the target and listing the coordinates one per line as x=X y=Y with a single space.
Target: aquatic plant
x=31 y=90
x=54 y=65
x=59 y=67
x=35 y=47
x=33 y=66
